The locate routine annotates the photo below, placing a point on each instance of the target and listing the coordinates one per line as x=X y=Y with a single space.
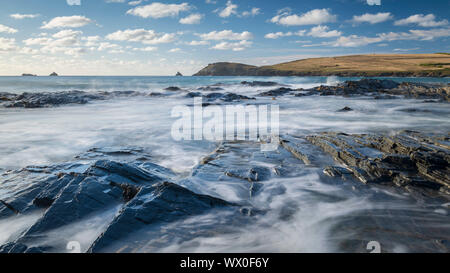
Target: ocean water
x=58 y=134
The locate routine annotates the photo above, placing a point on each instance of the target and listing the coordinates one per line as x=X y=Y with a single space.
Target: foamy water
x=54 y=135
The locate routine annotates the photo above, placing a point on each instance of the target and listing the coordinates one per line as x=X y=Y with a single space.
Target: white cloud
x=7 y=29
x=146 y=49
x=67 y=22
x=229 y=10
x=198 y=43
x=7 y=44
x=421 y=20
x=134 y=3
x=226 y=35
x=192 y=19
x=74 y=2
x=159 y=10
x=19 y=16
x=322 y=32
x=252 y=12
x=313 y=17
x=239 y=46
x=174 y=50
x=414 y=34
x=372 y=18
x=67 y=33
x=141 y=35
x=277 y=35
x=374 y=2
x=115 y=1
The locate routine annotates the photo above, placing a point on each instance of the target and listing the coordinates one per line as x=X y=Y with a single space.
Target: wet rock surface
x=144 y=207
x=383 y=89
x=406 y=159
x=41 y=100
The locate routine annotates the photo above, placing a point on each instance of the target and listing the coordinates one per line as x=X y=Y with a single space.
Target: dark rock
x=173 y=88
x=406 y=159
x=277 y=92
x=210 y=88
x=179 y=74
x=160 y=203
x=259 y=83
x=39 y=100
x=346 y=109
x=53 y=74
x=43 y=202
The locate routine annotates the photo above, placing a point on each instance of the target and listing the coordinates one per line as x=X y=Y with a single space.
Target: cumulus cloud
x=146 y=49
x=141 y=35
x=421 y=20
x=67 y=22
x=135 y=3
x=226 y=35
x=238 y=46
x=373 y=18
x=7 y=29
x=252 y=12
x=198 y=43
x=159 y=10
x=323 y=32
x=313 y=17
x=192 y=19
x=67 y=33
x=374 y=2
x=414 y=34
x=229 y=10
x=19 y=16
x=7 y=44
x=74 y=2
x=277 y=35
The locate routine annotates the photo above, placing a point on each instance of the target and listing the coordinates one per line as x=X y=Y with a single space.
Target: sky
x=143 y=37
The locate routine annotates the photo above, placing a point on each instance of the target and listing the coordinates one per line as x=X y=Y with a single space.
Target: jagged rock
x=407 y=158
x=259 y=83
x=161 y=203
x=346 y=109
x=39 y=100
x=173 y=88
x=179 y=74
x=210 y=88
x=277 y=92
x=382 y=89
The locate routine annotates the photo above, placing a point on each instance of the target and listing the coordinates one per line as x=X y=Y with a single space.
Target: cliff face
x=406 y=65
x=228 y=69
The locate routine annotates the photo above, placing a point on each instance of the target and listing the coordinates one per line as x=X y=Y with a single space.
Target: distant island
x=54 y=74
x=179 y=74
x=28 y=75
x=375 y=65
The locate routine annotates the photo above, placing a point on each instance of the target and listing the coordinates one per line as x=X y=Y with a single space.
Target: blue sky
x=127 y=37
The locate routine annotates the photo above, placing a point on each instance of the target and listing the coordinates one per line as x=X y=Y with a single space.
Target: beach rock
x=173 y=88
x=346 y=109
x=259 y=83
x=276 y=92
x=382 y=89
x=210 y=88
x=47 y=99
x=405 y=159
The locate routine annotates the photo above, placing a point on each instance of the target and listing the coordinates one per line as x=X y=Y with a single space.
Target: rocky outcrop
x=54 y=74
x=51 y=99
x=407 y=159
x=382 y=89
x=179 y=74
x=142 y=193
x=227 y=69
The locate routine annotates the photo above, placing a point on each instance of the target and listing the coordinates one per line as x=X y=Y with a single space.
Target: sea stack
x=179 y=74
x=28 y=75
x=54 y=74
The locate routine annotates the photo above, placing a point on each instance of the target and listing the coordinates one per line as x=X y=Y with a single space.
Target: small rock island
x=28 y=75
x=179 y=74
x=54 y=74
